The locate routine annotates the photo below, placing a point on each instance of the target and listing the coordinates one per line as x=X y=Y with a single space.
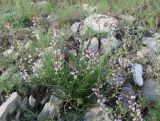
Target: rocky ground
x=103 y=67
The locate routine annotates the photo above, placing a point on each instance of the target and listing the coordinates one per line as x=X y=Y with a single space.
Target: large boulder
x=99 y=23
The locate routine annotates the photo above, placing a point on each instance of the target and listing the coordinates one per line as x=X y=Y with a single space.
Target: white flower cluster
x=58 y=60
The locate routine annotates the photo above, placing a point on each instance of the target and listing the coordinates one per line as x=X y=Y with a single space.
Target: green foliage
x=72 y=116
x=90 y=33
x=28 y=115
x=71 y=89
x=19 y=13
x=65 y=13
x=9 y=79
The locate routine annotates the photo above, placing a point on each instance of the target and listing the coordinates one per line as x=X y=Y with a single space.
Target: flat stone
x=150 y=90
x=9 y=106
x=137 y=74
x=96 y=114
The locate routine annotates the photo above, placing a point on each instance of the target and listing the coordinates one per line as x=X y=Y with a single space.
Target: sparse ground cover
x=50 y=57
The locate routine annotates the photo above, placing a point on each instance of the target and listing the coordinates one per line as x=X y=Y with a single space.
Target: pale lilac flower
x=58 y=61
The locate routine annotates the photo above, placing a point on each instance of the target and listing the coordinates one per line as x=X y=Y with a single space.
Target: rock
x=125 y=96
x=9 y=106
x=86 y=44
x=10 y=53
x=17 y=117
x=152 y=42
x=150 y=90
x=75 y=27
x=157 y=36
x=49 y=110
x=149 y=42
x=137 y=74
x=94 y=44
x=32 y=101
x=54 y=100
x=146 y=53
x=107 y=44
x=99 y=23
x=96 y=114
x=128 y=18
